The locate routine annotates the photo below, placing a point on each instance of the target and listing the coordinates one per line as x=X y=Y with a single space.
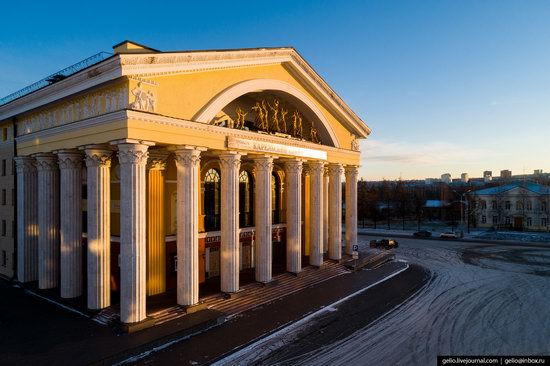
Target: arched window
x=212 y=200
x=246 y=200
x=275 y=198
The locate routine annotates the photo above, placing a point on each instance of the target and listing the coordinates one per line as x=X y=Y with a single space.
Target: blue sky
x=446 y=86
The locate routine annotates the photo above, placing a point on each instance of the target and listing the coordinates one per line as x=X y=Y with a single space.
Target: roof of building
x=530 y=186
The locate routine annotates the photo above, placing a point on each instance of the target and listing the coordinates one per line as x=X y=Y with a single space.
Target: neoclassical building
x=146 y=171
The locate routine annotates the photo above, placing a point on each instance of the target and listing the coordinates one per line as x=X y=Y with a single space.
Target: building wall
x=7 y=200
x=533 y=213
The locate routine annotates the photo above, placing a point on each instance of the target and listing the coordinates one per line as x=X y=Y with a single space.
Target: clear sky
x=446 y=86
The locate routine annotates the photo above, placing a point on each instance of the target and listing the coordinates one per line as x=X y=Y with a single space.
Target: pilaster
x=156 y=246
x=27 y=219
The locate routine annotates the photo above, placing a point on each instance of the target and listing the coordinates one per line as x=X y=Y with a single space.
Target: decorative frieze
x=91 y=105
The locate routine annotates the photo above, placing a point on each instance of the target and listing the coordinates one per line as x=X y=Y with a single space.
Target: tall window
x=212 y=200
x=529 y=221
x=3 y=167
x=529 y=206
x=507 y=205
x=483 y=219
x=246 y=200
x=4 y=258
x=507 y=220
x=494 y=205
x=275 y=198
x=495 y=220
x=483 y=205
x=543 y=205
x=543 y=221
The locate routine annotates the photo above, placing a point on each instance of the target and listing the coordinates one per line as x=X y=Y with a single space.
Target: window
x=494 y=205
x=212 y=200
x=3 y=197
x=3 y=167
x=507 y=220
x=4 y=258
x=507 y=205
x=4 y=134
x=246 y=199
x=543 y=221
x=483 y=219
x=543 y=205
x=495 y=220
x=483 y=205
x=529 y=206
x=3 y=227
x=529 y=221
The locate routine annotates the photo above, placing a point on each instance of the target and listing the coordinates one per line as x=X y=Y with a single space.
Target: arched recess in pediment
x=278 y=89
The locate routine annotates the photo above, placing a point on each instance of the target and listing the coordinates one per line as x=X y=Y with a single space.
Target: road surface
x=481 y=299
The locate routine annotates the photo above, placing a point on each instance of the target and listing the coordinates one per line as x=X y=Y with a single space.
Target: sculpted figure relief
x=274 y=115
x=240 y=118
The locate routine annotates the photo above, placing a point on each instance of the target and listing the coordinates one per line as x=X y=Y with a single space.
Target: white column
x=263 y=167
x=70 y=217
x=187 y=164
x=133 y=159
x=352 y=172
x=335 y=211
x=98 y=163
x=27 y=219
x=325 y=211
x=230 y=163
x=317 y=170
x=48 y=221
x=293 y=174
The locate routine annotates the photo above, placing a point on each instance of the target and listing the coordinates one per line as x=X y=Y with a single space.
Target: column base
x=233 y=295
x=136 y=327
x=271 y=283
x=296 y=274
x=190 y=309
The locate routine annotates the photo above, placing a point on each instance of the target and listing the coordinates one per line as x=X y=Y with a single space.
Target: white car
x=449 y=235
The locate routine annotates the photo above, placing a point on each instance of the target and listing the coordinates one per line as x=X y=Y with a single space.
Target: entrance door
x=518 y=223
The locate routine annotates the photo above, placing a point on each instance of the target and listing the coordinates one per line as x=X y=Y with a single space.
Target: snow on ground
x=482 y=300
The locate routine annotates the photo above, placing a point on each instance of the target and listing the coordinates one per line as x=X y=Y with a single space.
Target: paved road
x=481 y=299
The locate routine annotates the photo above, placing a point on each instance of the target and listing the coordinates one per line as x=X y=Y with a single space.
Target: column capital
x=187 y=157
x=46 y=162
x=352 y=169
x=132 y=153
x=157 y=159
x=98 y=157
x=293 y=166
x=263 y=163
x=335 y=169
x=230 y=160
x=316 y=167
x=70 y=159
x=25 y=164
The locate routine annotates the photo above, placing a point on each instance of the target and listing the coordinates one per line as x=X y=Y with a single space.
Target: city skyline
x=446 y=87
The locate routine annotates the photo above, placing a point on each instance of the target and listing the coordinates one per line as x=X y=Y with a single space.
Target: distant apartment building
x=518 y=206
x=464 y=177
x=487 y=176
x=505 y=174
x=446 y=178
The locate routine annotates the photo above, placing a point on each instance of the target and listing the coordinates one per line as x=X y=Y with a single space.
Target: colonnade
x=49 y=214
